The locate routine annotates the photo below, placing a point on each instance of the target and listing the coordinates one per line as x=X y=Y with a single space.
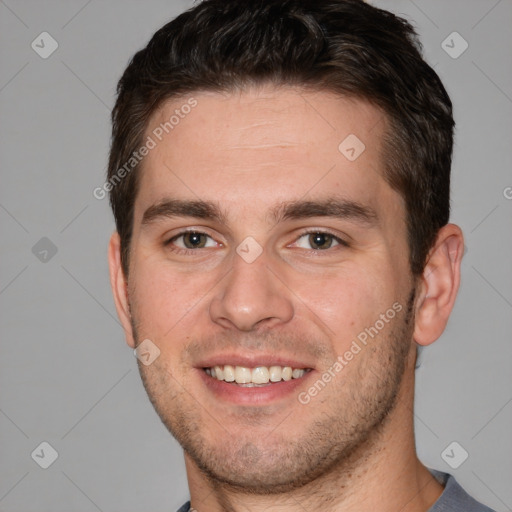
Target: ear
x=439 y=285
x=119 y=286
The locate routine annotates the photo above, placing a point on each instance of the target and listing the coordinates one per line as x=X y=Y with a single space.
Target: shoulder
x=454 y=498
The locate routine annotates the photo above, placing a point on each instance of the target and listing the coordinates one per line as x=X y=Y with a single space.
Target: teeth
x=297 y=374
x=286 y=373
x=275 y=373
x=229 y=373
x=261 y=375
x=242 y=375
x=219 y=372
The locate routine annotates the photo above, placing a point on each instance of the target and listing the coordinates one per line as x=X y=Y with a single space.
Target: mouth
x=252 y=379
x=257 y=376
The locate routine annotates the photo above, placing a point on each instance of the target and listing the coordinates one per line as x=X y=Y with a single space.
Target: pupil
x=194 y=240
x=320 y=240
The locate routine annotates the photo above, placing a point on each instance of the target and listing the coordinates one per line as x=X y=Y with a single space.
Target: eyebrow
x=344 y=209
x=170 y=208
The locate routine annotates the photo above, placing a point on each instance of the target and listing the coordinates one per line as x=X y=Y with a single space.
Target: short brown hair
x=343 y=46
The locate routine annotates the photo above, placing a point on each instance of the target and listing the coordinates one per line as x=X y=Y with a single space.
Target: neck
x=384 y=474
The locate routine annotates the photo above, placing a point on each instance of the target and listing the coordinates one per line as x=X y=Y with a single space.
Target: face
x=261 y=247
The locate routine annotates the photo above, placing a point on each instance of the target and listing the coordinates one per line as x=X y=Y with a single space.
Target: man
x=279 y=176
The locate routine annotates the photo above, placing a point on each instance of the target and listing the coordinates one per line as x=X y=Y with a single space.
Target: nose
x=251 y=296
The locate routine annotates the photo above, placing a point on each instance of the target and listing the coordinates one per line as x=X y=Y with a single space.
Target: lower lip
x=263 y=395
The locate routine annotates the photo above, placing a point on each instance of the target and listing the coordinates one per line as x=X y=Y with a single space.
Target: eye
x=192 y=240
x=318 y=240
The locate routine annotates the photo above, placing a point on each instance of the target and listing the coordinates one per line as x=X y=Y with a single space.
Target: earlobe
x=439 y=285
x=119 y=287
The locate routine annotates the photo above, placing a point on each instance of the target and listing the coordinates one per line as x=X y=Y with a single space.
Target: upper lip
x=252 y=361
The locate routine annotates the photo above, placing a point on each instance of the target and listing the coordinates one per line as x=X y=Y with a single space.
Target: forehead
x=250 y=148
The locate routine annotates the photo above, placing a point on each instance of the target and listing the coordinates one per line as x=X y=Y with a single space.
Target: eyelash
x=322 y=232
x=310 y=231
x=180 y=250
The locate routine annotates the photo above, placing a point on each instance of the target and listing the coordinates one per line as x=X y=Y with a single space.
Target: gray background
x=66 y=375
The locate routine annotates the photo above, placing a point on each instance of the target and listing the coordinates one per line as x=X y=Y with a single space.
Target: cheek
x=165 y=300
x=345 y=300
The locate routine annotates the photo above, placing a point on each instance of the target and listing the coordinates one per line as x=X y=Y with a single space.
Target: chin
x=264 y=466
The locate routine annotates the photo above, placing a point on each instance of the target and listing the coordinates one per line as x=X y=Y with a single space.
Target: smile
x=255 y=377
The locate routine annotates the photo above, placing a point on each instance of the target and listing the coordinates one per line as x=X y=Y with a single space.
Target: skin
x=352 y=446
